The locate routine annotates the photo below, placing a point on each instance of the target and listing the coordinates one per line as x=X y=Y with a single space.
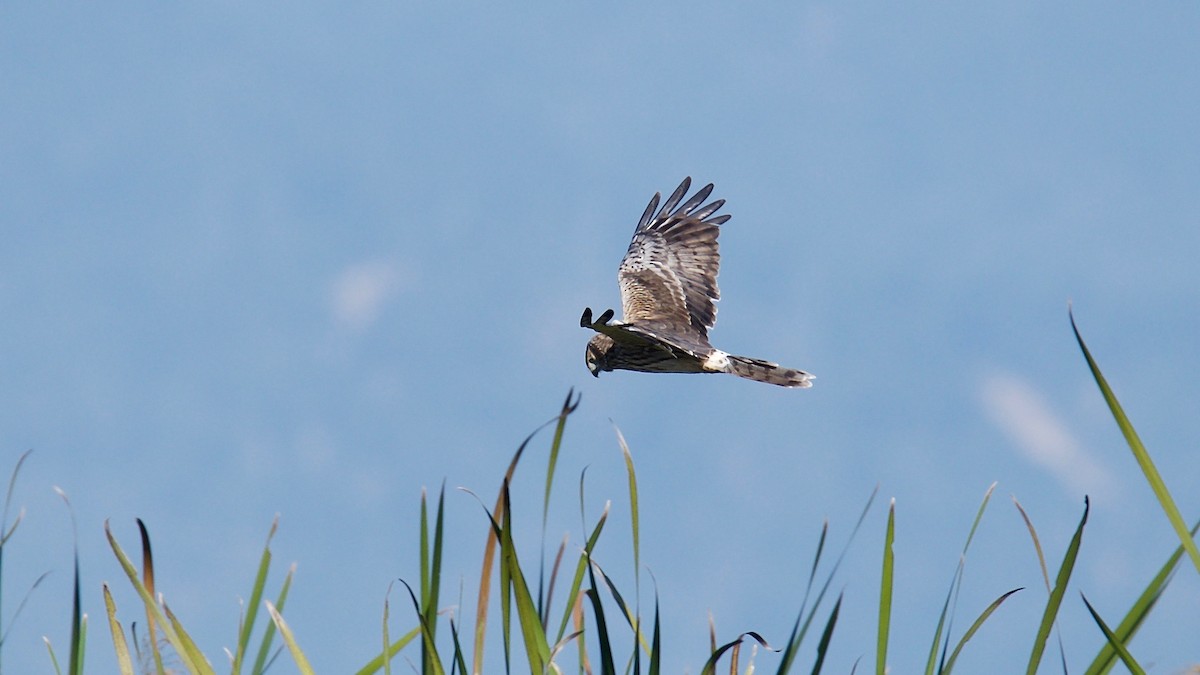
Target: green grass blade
x=264 y=646
x=580 y=570
x=189 y=646
x=978 y=623
x=656 y=641
x=1140 y=454
x=378 y=663
x=826 y=636
x=710 y=666
x=946 y=618
x=256 y=593
x=1139 y=611
x=120 y=646
x=885 y=593
x=1037 y=544
x=289 y=639
x=633 y=505
x=1056 y=594
x=567 y=408
x=803 y=622
x=537 y=650
x=201 y=667
x=1114 y=642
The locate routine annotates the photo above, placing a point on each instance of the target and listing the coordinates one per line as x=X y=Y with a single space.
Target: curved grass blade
x=256 y=592
x=302 y=663
x=946 y=619
x=1139 y=611
x=78 y=619
x=803 y=623
x=264 y=647
x=7 y=531
x=1116 y=644
x=885 y=592
x=607 y=666
x=581 y=567
x=120 y=646
x=1056 y=594
x=201 y=667
x=949 y=665
x=489 y=548
x=377 y=663
x=710 y=666
x=826 y=636
x=1153 y=477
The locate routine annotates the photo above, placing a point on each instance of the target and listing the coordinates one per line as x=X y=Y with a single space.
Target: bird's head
x=597 y=353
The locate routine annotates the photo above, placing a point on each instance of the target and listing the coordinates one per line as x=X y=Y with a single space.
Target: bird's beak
x=596 y=373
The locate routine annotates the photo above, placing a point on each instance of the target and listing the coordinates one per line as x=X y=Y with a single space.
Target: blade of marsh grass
x=78 y=618
x=633 y=503
x=554 y=569
x=975 y=626
x=1114 y=642
x=581 y=569
x=885 y=592
x=431 y=567
x=607 y=666
x=378 y=663
x=630 y=617
x=1140 y=453
x=710 y=666
x=578 y=617
x=264 y=647
x=302 y=663
x=800 y=628
x=152 y=609
x=256 y=592
x=387 y=639
x=537 y=650
x=193 y=652
x=120 y=646
x=459 y=662
x=656 y=641
x=946 y=619
x=543 y=595
x=567 y=408
x=433 y=664
x=7 y=531
x=1037 y=544
x=1139 y=611
x=1056 y=594
x=148 y=580
x=826 y=636
x=53 y=658
x=489 y=548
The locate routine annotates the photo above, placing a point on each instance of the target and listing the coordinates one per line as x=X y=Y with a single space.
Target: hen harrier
x=668 y=289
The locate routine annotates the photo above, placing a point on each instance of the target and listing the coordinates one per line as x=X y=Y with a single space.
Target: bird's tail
x=765 y=371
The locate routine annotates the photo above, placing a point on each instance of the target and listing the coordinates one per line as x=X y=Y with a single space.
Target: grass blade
x=256 y=592
x=1116 y=644
x=885 y=593
x=1140 y=454
x=1056 y=594
x=826 y=636
x=302 y=663
x=978 y=623
x=1139 y=611
x=946 y=619
x=120 y=646
x=264 y=647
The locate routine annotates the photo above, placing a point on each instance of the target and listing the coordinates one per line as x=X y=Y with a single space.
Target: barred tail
x=765 y=371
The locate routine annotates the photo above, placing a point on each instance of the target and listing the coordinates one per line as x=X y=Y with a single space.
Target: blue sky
x=306 y=259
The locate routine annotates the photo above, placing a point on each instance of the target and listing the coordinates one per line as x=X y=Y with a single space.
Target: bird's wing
x=669 y=274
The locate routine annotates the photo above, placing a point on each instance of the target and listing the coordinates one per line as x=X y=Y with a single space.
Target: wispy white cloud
x=1018 y=409
x=360 y=292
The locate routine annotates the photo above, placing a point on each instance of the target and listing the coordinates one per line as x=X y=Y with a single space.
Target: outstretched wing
x=669 y=274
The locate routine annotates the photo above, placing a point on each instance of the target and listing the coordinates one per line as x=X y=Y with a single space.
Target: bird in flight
x=668 y=293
